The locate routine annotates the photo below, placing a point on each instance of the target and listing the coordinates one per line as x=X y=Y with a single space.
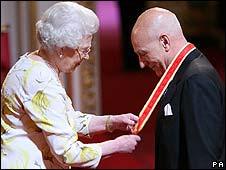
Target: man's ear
x=165 y=42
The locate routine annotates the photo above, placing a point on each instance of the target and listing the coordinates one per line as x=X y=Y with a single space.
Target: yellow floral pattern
x=7 y=103
x=40 y=103
x=88 y=153
x=29 y=72
x=25 y=155
x=36 y=113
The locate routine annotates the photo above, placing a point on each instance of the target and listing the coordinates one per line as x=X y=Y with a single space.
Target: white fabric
x=38 y=123
x=168 y=110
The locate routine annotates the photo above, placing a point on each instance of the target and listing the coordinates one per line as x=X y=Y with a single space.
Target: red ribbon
x=5 y=55
x=160 y=88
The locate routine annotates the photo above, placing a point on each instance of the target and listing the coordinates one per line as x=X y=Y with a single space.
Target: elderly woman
x=39 y=125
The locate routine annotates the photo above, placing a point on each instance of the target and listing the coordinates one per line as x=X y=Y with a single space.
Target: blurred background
x=111 y=82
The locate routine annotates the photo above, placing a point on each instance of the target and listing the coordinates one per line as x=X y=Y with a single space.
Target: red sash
x=161 y=87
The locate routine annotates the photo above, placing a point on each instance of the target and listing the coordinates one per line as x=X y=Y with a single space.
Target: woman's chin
x=70 y=70
x=74 y=67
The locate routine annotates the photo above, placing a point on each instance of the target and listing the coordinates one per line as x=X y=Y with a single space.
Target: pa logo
x=218 y=164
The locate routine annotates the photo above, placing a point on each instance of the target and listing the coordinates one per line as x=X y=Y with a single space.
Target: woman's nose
x=86 y=56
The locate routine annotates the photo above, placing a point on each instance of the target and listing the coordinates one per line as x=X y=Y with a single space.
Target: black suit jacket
x=193 y=136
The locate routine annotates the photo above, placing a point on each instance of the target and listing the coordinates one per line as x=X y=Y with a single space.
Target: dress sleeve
x=47 y=104
x=202 y=121
x=80 y=121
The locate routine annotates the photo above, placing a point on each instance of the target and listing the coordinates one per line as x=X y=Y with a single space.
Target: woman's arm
x=111 y=122
x=97 y=124
x=122 y=144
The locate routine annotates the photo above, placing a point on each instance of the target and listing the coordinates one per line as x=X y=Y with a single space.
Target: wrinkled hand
x=126 y=143
x=124 y=122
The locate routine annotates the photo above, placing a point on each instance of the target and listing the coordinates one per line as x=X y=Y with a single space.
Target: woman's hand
x=127 y=143
x=122 y=144
x=123 y=122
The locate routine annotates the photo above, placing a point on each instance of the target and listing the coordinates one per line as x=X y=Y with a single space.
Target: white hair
x=64 y=25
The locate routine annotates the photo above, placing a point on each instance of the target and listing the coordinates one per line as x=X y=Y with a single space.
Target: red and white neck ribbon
x=161 y=87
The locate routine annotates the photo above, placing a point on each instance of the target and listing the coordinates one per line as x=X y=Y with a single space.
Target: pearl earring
x=61 y=55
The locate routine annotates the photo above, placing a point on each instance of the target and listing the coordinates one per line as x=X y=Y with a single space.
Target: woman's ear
x=59 y=52
x=165 y=42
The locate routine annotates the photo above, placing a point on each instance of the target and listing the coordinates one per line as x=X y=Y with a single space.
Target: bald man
x=190 y=131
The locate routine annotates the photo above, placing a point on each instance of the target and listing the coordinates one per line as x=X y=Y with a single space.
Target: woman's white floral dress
x=39 y=127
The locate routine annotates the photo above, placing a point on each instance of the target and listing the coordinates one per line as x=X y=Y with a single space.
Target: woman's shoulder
x=25 y=63
x=27 y=70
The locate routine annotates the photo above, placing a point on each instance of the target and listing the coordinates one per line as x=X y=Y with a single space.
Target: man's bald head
x=156 y=38
x=156 y=21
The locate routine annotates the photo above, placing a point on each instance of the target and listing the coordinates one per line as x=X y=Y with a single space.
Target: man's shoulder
x=199 y=66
